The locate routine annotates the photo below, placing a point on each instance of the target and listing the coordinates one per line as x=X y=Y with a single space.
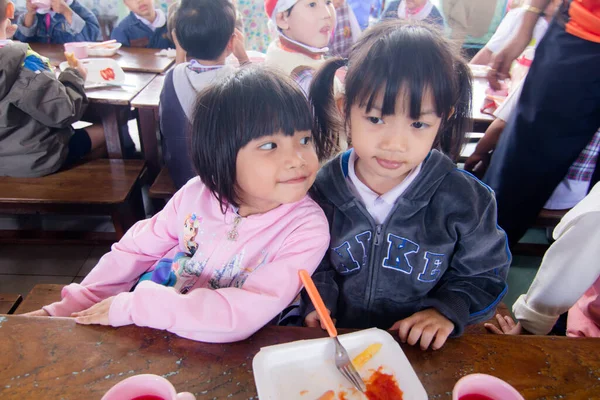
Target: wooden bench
x=9 y=302
x=163 y=186
x=98 y=187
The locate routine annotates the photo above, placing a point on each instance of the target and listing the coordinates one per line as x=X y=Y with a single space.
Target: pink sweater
x=236 y=286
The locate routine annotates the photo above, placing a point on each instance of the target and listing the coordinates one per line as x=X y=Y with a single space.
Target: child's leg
x=83 y=141
x=96 y=134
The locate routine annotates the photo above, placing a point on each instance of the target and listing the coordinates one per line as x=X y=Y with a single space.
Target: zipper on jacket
x=378 y=235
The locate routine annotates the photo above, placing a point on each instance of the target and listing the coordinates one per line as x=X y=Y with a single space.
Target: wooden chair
x=163 y=187
x=98 y=187
x=9 y=302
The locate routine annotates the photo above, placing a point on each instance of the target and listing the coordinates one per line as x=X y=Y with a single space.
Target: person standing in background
x=557 y=115
x=473 y=22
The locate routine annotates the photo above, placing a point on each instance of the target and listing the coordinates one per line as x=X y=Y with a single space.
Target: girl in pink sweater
x=221 y=259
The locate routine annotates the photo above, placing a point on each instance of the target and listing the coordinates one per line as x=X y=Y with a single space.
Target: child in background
x=205 y=30
x=414 y=10
x=66 y=21
x=304 y=29
x=414 y=241
x=347 y=31
x=508 y=28
x=37 y=110
x=145 y=26
x=568 y=279
x=233 y=238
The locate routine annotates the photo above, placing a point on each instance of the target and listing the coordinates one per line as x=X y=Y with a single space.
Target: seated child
x=205 y=30
x=145 y=26
x=37 y=110
x=304 y=29
x=415 y=245
x=347 y=31
x=568 y=279
x=416 y=10
x=234 y=238
x=66 y=21
x=509 y=27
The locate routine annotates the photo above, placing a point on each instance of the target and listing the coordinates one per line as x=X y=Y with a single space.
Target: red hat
x=272 y=7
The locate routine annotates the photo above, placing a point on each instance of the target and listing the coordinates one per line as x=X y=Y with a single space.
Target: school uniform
x=135 y=31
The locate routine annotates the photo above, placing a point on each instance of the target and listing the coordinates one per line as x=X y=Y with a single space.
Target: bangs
x=256 y=103
x=388 y=71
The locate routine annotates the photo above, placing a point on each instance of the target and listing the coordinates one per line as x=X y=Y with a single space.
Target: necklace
x=233 y=233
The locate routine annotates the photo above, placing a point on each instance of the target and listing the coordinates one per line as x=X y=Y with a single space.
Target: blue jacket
x=440 y=248
x=84 y=28
x=132 y=32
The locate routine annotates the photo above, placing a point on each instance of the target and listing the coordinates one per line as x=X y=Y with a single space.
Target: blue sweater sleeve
x=91 y=28
x=120 y=35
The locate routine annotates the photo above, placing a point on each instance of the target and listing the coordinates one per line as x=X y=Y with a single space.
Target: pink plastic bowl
x=145 y=385
x=486 y=385
x=80 y=50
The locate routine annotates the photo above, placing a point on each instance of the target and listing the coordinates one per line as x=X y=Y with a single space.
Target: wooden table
x=55 y=358
x=113 y=104
x=132 y=59
x=146 y=102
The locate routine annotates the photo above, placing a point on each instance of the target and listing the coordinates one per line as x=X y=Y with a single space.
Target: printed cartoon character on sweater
x=190 y=230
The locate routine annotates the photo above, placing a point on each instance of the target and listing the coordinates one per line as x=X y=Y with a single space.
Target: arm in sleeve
x=120 y=36
x=475 y=281
x=569 y=268
x=54 y=103
x=233 y=313
x=24 y=33
x=84 y=25
x=117 y=271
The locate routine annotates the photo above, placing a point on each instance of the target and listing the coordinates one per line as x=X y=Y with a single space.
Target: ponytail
x=327 y=121
x=454 y=127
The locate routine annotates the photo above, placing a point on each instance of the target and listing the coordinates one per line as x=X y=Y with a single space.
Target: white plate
x=104 y=51
x=479 y=71
x=94 y=66
x=305 y=370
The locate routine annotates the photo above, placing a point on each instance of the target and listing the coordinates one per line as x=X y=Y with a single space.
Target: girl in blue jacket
x=414 y=242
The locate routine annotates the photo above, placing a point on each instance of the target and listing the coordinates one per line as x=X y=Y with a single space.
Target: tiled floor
x=24 y=266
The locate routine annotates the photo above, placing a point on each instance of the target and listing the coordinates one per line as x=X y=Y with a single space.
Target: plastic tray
x=305 y=370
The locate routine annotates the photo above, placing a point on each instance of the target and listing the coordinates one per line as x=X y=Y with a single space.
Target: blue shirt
x=84 y=27
x=132 y=32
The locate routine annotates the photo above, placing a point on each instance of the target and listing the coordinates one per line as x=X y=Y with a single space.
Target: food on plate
x=329 y=395
x=108 y=74
x=364 y=357
x=71 y=59
x=382 y=386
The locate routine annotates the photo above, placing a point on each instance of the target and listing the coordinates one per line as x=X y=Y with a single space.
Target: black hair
x=205 y=27
x=393 y=58
x=251 y=103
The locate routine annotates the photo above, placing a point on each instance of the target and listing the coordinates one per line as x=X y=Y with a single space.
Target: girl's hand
x=37 y=313
x=425 y=325
x=312 y=320
x=507 y=326
x=96 y=314
x=31 y=8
